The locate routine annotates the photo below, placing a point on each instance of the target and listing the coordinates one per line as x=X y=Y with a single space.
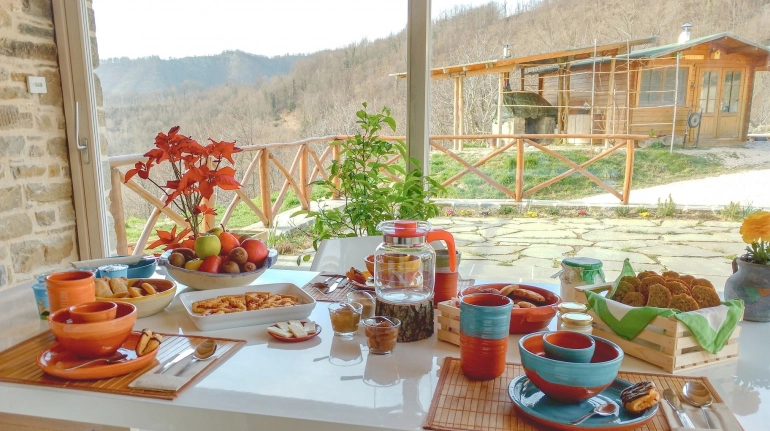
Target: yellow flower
x=644 y=214
x=756 y=227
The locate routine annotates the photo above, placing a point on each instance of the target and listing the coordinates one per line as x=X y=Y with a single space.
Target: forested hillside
x=319 y=94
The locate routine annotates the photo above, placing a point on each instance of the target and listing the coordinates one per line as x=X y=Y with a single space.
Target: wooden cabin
x=635 y=93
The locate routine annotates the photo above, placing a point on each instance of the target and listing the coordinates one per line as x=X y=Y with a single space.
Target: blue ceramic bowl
x=570 y=382
x=145 y=268
x=569 y=346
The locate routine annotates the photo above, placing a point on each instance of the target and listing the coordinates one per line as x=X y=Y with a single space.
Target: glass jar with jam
x=576 y=322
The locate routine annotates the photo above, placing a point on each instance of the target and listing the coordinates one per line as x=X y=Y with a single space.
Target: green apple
x=207 y=245
x=215 y=231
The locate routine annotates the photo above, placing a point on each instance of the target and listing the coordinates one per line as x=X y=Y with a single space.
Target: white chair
x=339 y=254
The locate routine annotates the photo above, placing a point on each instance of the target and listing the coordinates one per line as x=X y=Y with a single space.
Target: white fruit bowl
x=200 y=280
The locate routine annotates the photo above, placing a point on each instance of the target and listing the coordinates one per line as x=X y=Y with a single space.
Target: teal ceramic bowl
x=569 y=346
x=570 y=382
x=145 y=268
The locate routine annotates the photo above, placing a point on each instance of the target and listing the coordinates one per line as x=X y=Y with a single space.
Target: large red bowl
x=525 y=320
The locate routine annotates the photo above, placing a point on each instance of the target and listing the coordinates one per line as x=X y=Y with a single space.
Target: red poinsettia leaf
x=204 y=209
x=223 y=149
x=206 y=189
x=182 y=234
x=139 y=168
x=173 y=131
x=170 y=198
x=173 y=185
x=191 y=177
x=224 y=178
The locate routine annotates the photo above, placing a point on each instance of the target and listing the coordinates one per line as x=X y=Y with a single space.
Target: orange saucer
x=56 y=359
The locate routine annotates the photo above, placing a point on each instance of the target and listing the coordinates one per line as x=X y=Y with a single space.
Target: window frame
x=666 y=76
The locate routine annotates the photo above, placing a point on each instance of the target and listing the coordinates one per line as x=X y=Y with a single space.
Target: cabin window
x=708 y=91
x=657 y=87
x=731 y=91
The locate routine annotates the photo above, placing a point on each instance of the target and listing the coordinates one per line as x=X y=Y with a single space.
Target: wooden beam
x=609 y=113
x=461 y=110
x=116 y=209
x=456 y=106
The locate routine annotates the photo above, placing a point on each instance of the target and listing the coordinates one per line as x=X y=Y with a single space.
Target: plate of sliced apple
x=294 y=331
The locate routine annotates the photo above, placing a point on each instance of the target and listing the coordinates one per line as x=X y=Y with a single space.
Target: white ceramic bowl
x=199 y=280
x=150 y=304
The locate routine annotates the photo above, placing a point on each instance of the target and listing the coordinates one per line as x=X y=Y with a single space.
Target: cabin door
x=719 y=102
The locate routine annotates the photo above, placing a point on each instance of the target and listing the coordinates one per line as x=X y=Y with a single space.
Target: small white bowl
x=200 y=280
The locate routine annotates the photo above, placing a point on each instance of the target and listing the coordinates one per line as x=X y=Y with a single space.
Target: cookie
x=705 y=296
x=143 y=340
x=639 y=397
x=633 y=281
x=644 y=274
x=623 y=290
x=676 y=287
x=634 y=299
x=527 y=295
x=686 y=279
x=525 y=304
x=701 y=282
x=683 y=302
x=508 y=289
x=659 y=296
x=670 y=274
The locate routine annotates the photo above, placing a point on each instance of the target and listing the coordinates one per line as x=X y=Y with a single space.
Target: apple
x=216 y=231
x=207 y=245
x=211 y=264
x=193 y=265
x=257 y=251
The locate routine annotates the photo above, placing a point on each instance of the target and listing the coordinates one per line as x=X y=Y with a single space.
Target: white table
x=323 y=384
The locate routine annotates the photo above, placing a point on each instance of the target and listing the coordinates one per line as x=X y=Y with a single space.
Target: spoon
x=116 y=357
x=605 y=409
x=203 y=352
x=698 y=395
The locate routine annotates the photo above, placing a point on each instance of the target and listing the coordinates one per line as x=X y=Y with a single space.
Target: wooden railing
x=308 y=165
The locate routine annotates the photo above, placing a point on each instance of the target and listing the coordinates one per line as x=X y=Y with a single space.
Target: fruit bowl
x=200 y=280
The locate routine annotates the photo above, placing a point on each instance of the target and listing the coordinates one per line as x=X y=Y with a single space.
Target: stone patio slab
x=547 y=251
x=543 y=234
x=690 y=237
x=603 y=235
x=621 y=245
x=678 y=250
x=628 y=222
x=698 y=266
x=604 y=254
x=551 y=241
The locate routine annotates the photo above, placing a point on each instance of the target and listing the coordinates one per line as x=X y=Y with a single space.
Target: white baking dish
x=248 y=318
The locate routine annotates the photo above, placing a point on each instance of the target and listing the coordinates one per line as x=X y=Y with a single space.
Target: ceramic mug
x=66 y=289
x=484 y=322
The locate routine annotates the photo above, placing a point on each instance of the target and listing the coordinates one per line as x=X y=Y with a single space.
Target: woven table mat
x=460 y=404
x=340 y=294
x=18 y=364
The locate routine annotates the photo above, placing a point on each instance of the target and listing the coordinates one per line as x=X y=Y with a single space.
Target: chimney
x=684 y=37
x=506 y=50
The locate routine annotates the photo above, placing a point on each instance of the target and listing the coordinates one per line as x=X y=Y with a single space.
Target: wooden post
x=560 y=100
x=519 y=169
x=456 y=101
x=629 y=171
x=609 y=115
x=500 y=97
x=567 y=75
x=116 y=209
x=209 y=220
x=336 y=180
x=461 y=110
x=303 y=177
x=521 y=78
x=264 y=185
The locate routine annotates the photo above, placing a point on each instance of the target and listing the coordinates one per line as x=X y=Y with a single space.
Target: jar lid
x=583 y=262
x=567 y=307
x=578 y=319
x=404 y=228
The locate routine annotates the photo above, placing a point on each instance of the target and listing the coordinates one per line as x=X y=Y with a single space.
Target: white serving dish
x=248 y=318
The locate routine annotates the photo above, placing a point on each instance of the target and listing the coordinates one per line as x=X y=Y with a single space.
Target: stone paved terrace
x=522 y=249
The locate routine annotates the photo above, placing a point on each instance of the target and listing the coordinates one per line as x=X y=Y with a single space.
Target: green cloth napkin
x=711 y=326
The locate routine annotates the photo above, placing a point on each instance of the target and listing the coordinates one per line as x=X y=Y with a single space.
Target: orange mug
x=69 y=288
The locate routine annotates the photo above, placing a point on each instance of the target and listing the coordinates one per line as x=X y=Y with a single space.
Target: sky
x=182 y=28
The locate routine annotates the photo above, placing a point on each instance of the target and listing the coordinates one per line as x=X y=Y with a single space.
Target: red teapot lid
x=405 y=229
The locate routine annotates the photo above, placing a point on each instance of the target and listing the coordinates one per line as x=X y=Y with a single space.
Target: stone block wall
x=37 y=217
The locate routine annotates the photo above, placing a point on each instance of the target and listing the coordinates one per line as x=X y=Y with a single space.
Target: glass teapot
x=405 y=262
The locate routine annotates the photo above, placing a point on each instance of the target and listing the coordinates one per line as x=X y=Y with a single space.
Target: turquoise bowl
x=570 y=382
x=145 y=268
x=569 y=346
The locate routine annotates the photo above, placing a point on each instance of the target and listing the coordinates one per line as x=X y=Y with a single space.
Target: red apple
x=257 y=251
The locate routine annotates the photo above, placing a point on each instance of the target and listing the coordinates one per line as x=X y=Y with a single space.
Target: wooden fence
x=308 y=165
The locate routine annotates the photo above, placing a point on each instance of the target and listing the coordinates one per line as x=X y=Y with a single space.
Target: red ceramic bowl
x=525 y=320
x=97 y=339
x=89 y=312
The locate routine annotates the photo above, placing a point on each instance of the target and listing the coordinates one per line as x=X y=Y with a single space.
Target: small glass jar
x=579 y=271
x=576 y=322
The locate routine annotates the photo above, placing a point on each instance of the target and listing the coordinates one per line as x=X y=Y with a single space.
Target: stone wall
x=37 y=217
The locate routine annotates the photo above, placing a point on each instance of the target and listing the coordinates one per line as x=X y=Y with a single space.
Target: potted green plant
x=373 y=190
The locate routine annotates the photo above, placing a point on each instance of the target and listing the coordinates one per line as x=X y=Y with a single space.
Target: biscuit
x=686 y=279
x=623 y=290
x=644 y=274
x=676 y=287
x=634 y=299
x=143 y=340
x=153 y=344
x=528 y=295
x=670 y=274
x=644 y=287
x=639 y=397
x=683 y=302
x=705 y=296
x=701 y=282
x=118 y=285
x=525 y=304
x=633 y=281
x=135 y=292
x=147 y=287
x=508 y=289
x=659 y=296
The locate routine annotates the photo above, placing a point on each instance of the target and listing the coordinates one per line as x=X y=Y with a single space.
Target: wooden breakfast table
x=326 y=383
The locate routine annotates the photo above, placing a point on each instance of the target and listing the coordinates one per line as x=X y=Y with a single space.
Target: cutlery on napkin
x=170 y=382
x=720 y=413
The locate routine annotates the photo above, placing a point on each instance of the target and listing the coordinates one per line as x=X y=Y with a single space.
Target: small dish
x=537 y=406
x=90 y=312
x=295 y=339
x=361 y=286
x=56 y=359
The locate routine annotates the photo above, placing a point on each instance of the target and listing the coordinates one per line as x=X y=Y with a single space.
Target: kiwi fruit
x=177 y=259
x=188 y=253
x=249 y=266
x=231 y=267
x=239 y=255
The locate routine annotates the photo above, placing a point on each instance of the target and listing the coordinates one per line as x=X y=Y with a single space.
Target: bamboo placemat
x=340 y=294
x=460 y=404
x=19 y=365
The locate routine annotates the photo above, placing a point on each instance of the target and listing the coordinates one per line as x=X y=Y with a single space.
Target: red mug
x=482 y=359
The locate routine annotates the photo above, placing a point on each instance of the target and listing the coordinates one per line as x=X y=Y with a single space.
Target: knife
x=334 y=286
x=673 y=400
x=174 y=361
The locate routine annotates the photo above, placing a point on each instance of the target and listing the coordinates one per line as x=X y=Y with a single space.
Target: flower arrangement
x=197 y=172
x=755 y=231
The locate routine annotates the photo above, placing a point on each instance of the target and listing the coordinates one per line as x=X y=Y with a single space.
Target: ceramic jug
x=751 y=283
x=405 y=262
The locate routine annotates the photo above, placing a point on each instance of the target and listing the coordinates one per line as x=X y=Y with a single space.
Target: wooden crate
x=665 y=342
x=449 y=322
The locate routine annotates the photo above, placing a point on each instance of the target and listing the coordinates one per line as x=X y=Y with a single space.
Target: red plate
x=295 y=339
x=56 y=359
